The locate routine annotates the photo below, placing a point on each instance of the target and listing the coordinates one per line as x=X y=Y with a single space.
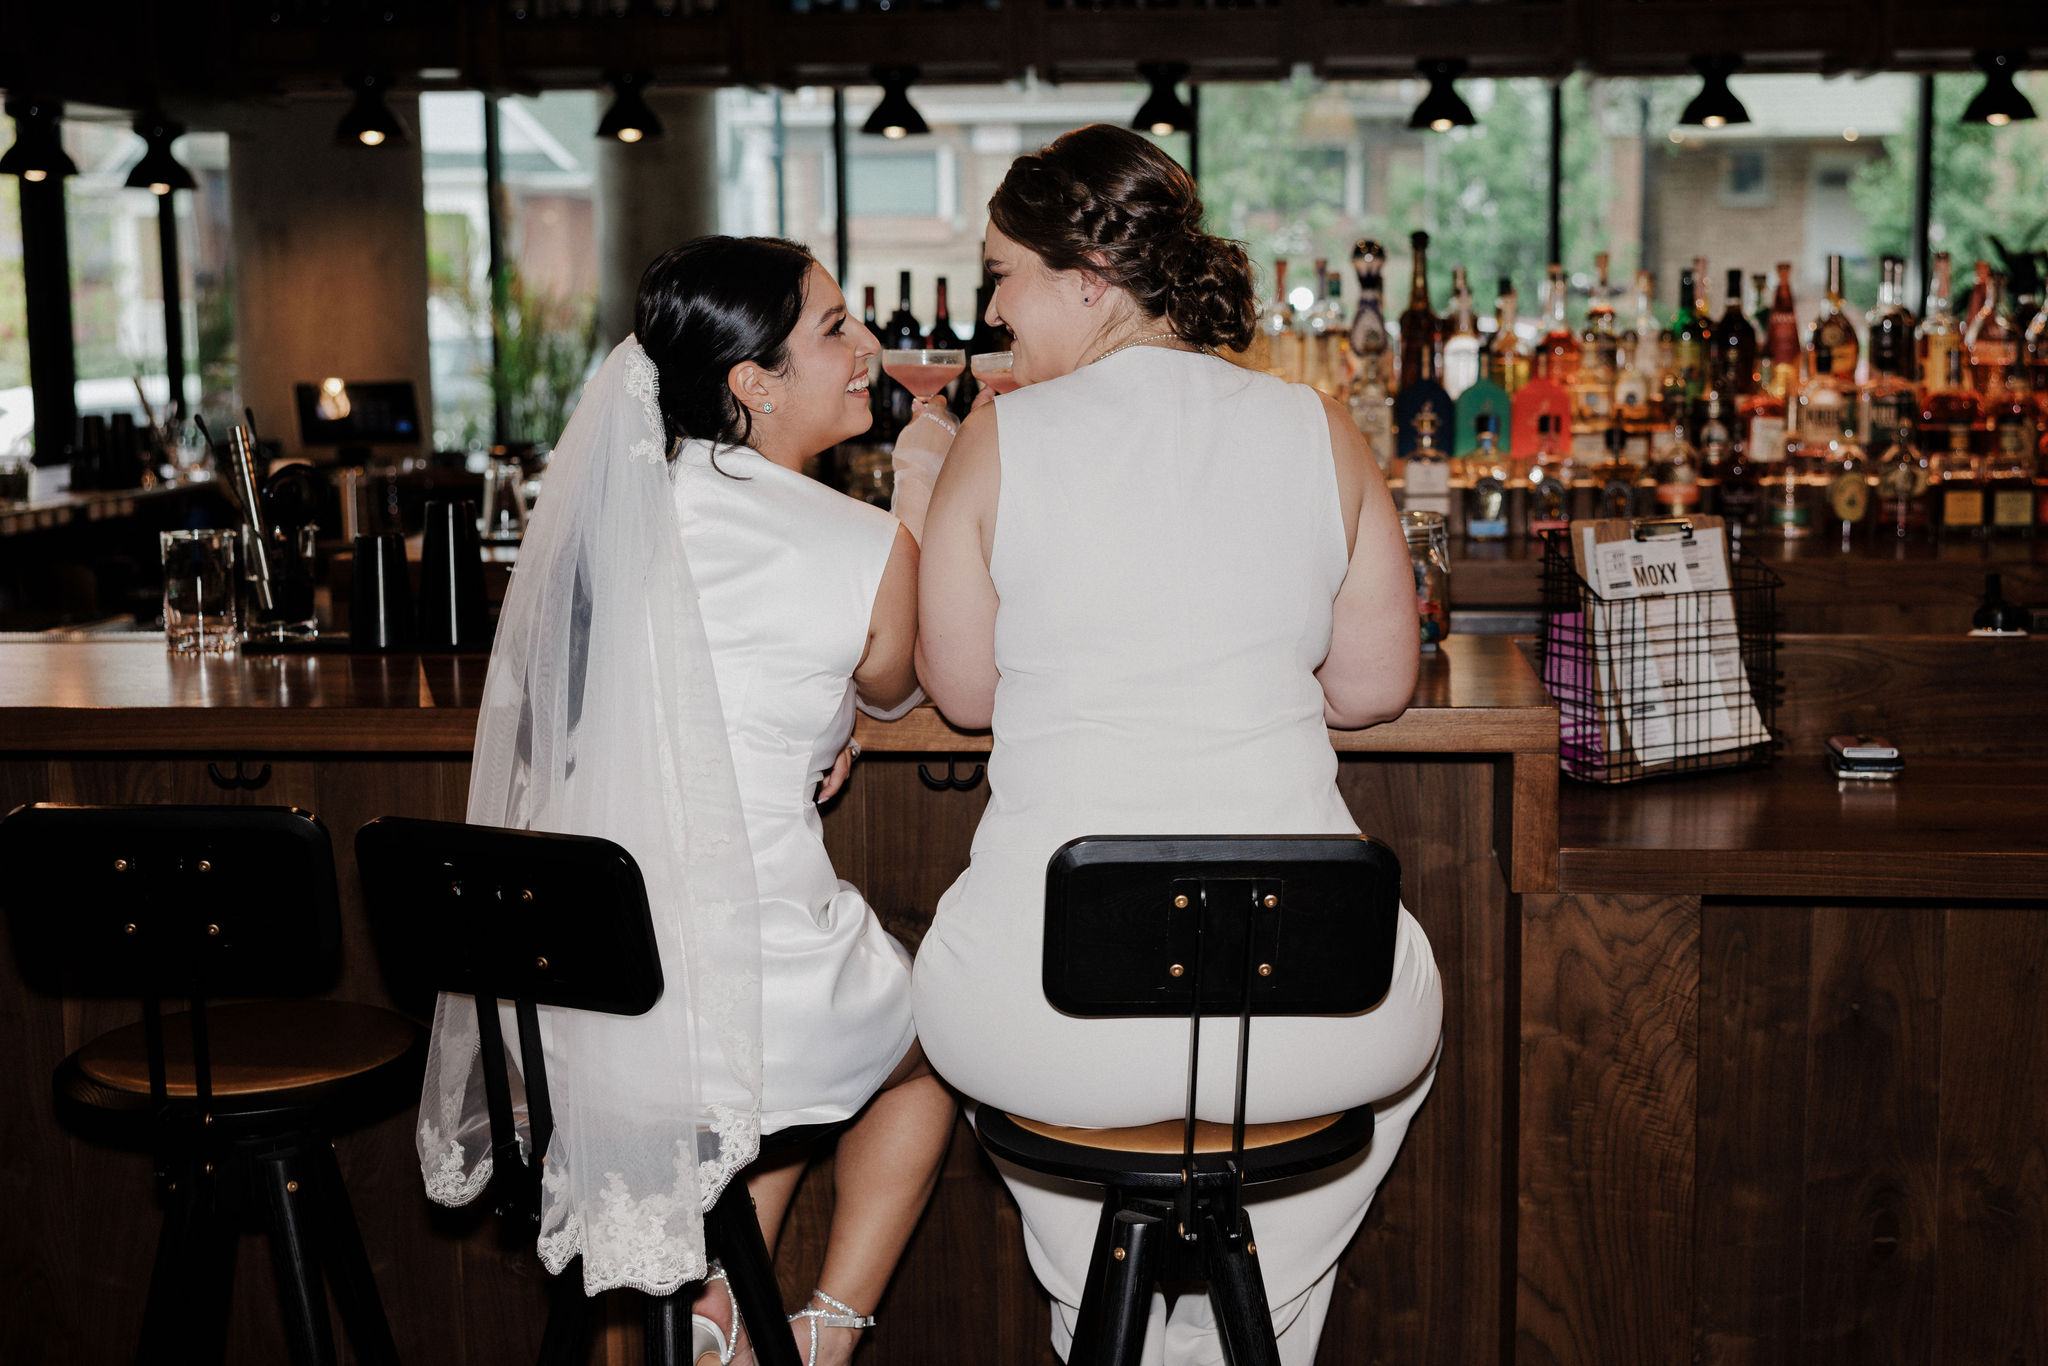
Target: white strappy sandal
x=706 y=1338
x=835 y=1314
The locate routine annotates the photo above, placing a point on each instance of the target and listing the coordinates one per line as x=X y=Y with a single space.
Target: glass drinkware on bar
x=201 y=613
x=924 y=372
x=504 y=518
x=1429 y=555
x=994 y=369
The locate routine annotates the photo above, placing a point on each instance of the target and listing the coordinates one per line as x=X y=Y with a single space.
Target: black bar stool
x=1195 y=926
x=236 y=1102
x=557 y=920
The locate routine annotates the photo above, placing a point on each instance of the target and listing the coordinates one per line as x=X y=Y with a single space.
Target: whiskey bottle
x=1715 y=446
x=1551 y=477
x=1599 y=343
x=1938 y=333
x=1507 y=358
x=1948 y=406
x=2009 y=480
x=1961 y=487
x=1781 y=339
x=1322 y=329
x=1419 y=358
x=1461 y=346
x=1991 y=344
x=1677 y=475
x=1833 y=328
x=1617 y=476
x=1847 y=471
x=1278 y=343
x=1760 y=320
x=1724 y=447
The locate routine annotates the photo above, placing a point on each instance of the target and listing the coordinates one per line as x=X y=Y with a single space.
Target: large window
x=17 y=404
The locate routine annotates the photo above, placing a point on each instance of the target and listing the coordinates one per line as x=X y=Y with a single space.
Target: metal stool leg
x=1088 y=1323
x=668 y=1327
x=300 y=1292
x=166 y=1317
x=734 y=1233
x=348 y=1264
x=1238 y=1292
x=213 y=1275
x=1127 y=1286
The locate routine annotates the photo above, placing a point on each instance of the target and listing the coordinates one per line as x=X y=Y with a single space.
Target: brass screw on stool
x=1180 y=903
x=1118 y=1254
x=292 y=1187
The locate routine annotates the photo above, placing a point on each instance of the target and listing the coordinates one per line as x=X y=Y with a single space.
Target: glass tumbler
x=1429 y=554
x=200 y=615
x=504 y=516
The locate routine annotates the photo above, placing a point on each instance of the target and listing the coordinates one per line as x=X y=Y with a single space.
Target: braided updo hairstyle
x=706 y=306
x=1103 y=199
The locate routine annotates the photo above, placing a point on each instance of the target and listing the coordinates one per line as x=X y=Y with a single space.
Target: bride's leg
x=886 y=1168
x=772 y=1187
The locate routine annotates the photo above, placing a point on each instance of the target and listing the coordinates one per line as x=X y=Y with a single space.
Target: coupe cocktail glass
x=924 y=373
x=994 y=370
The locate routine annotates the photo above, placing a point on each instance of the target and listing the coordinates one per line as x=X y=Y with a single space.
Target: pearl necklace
x=1136 y=341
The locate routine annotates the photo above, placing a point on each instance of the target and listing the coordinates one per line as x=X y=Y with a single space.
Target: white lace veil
x=601 y=717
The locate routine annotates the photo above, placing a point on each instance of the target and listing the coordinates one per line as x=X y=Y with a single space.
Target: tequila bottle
x=1559 y=354
x=1461 y=347
x=1370 y=402
x=1507 y=359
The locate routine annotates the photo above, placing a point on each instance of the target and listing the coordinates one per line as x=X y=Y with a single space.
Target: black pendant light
x=630 y=119
x=1715 y=106
x=38 y=151
x=2000 y=101
x=1442 y=109
x=159 y=171
x=1164 y=111
x=895 y=116
x=370 y=122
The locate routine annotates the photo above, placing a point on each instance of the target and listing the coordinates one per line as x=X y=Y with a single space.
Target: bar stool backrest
x=520 y=916
x=1147 y=926
x=154 y=901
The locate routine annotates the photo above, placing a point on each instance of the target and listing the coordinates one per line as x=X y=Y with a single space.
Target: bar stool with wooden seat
x=1200 y=926
x=557 y=920
x=237 y=1102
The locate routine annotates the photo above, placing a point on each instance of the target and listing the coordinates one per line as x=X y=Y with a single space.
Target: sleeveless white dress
x=787 y=571
x=1168 y=545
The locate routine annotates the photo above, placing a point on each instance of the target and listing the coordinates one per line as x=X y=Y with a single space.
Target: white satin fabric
x=601 y=716
x=1168 y=546
x=787 y=571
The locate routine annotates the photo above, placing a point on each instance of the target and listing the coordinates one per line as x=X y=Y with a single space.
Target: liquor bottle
x=1847 y=471
x=1600 y=342
x=1616 y=477
x=1938 y=333
x=867 y=310
x=1278 y=341
x=1312 y=323
x=984 y=340
x=1724 y=453
x=2009 y=479
x=1891 y=323
x=1713 y=444
x=1551 y=477
x=1781 y=339
x=1701 y=282
x=2034 y=352
x=1418 y=321
x=1370 y=403
x=1677 y=476
x=1486 y=504
x=1684 y=379
x=1461 y=347
x=879 y=430
x=1507 y=359
x=1951 y=413
x=1483 y=399
x=1991 y=344
x=1420 y=403
x=1731 y=351
x=1962 y=503
x=1833 y=327
x=1426 y=474
x=1335 y=339
x=1558 y=355
x=902 y=334
x=1824 y=404
x=1635 y=383
x=1541 y=396
x=1904 y=475
x=1760 y=318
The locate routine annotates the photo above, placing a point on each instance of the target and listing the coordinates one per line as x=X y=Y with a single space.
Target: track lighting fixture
x=1715 y=106
x=38 y=151
x=895 y=116
x=630 y=119
x=1164 y=111
x=159 y=171
x=2000 y=101
x=1442 y=109
x=370 y=121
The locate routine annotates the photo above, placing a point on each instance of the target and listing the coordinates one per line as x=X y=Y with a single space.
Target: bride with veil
x=676 y=667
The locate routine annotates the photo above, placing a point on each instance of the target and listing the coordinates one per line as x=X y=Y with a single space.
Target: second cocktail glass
x=995 y=370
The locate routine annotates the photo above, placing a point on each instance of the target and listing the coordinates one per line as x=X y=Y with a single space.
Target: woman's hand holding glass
x=920 y=453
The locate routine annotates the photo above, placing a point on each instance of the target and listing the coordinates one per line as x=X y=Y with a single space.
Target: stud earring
x=767 y=407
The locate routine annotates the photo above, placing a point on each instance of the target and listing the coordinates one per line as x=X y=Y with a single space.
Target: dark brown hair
x=1102 y=198
x=708 y=305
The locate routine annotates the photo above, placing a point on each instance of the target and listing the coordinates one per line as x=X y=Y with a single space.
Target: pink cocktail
x=995 y=370
x=924 y=373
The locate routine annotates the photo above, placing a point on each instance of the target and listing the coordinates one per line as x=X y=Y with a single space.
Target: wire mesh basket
x=1663 y=684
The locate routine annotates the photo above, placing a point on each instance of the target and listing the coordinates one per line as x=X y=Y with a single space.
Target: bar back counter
x=1742 y=1068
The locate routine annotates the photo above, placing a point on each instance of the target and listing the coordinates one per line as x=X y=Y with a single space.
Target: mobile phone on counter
x=1866 y=757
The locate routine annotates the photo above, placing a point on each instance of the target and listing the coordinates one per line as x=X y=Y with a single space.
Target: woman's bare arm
x=886 y=675
x=1375 y=639
x=956 y=639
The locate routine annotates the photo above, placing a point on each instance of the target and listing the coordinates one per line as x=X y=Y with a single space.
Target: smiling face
x=820 y=395
x=1055 y=331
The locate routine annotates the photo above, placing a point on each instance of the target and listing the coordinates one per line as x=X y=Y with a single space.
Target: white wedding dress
x=1168 y=544
x=786 y=573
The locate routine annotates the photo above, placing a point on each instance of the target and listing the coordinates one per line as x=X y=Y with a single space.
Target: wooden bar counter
x=1463 y=786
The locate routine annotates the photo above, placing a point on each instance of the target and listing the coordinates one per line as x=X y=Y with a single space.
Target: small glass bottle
x=1461 y=347
x=1507 y=359
x=1486 y=504
x=1833 y=342
x=1904 y=475
x=1429 y=555
x=1677 y=476
x=1962 y=503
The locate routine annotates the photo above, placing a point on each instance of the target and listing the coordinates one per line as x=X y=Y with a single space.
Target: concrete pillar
x=330 y=258
x=651 y=196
